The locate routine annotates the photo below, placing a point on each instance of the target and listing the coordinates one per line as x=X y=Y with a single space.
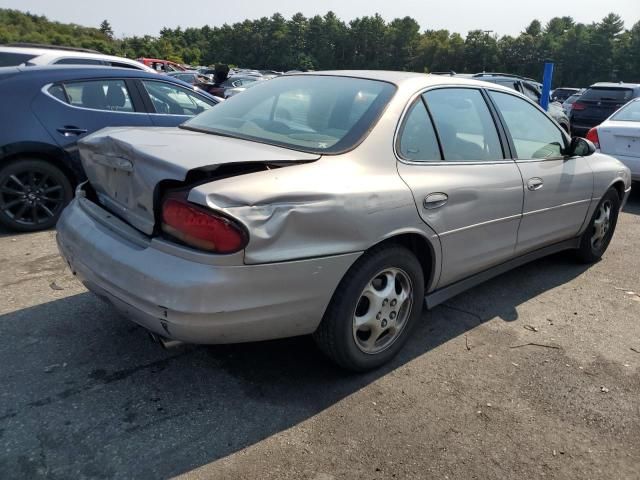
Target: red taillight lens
x=592 y=136
x=578 y=106
x=201 y=228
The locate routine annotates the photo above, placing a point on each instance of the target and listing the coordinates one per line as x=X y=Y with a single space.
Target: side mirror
x=581 y=147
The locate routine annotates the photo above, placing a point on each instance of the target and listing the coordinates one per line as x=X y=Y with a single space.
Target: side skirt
x=443 y=294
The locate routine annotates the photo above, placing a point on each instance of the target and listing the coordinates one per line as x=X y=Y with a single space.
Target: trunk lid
x=620 y=138
x=125 y=165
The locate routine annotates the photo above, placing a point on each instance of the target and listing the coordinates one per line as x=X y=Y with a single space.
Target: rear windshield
x=8 y=59
x=320 y=114
x=628 y=113
x=608 y=94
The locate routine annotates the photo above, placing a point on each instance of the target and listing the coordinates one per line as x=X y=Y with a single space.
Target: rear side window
x=534 y=135
x=531 y=92
x=79 y=61
x=507 y=83
x=464 y=124
x=125 y=65
x=620 y=95
x=58 y=92
x=108 y=95
x=9 y=59
x=418 y=140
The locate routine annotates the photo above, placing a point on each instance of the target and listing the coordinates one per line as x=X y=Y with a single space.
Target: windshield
x=608 y=94
x=572 y=98
x=629 y=113
x=319 y=114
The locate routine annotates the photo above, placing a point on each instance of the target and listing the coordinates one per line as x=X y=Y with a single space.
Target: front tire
x=597 y=236
x=373 y=309
x=33 y=193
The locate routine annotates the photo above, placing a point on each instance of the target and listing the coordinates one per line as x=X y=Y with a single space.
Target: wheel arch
x=618 y=184
x=421 y=247
x=41 y=151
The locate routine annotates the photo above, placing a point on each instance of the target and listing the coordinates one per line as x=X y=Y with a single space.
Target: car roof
x=82 y=71
x=615 y=85
x=403 y=78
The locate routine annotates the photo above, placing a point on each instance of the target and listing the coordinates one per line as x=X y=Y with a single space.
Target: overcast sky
x=139 y=17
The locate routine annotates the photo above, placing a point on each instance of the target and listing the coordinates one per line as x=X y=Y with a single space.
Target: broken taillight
x=202 y=228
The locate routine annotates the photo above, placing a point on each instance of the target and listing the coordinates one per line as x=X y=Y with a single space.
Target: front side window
x=464 y=124
x=110 y=95
x=534 y=135
x=628 y=113
x=418 y=140
x=174 y=100
x=313 y=113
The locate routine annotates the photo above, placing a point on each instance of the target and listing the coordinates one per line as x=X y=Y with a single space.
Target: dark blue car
x=47 y=109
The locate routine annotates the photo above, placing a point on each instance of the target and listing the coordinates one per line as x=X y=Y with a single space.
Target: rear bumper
x=633 y=163
x=196 y=302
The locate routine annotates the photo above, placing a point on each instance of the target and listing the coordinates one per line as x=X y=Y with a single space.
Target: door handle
x=70 y=131
x=535 y=183
x=435 y=200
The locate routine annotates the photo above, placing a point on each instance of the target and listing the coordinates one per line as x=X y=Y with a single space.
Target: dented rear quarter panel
x=337 y=204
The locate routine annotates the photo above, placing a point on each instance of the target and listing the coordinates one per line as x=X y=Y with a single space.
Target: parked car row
x=619 y=136
x=598 y=102
x=607 y=114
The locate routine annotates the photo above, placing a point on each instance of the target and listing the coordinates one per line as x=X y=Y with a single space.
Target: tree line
x=583 y=53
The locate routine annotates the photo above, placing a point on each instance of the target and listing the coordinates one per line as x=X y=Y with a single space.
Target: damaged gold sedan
x=335 y=204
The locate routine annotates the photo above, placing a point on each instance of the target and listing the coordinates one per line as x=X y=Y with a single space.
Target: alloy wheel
x=382 y=311
x=601 y=225
x=31 y=197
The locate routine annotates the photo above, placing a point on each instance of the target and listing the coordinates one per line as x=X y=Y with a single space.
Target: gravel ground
x=534 y=374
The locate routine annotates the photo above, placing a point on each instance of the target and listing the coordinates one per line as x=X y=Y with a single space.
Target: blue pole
x=546 y=85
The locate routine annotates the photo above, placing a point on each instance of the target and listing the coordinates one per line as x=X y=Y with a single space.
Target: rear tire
x=597 y=236
x=33 y=193
x=373 y=309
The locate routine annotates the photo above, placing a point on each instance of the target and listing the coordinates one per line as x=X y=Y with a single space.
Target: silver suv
x=15 y=55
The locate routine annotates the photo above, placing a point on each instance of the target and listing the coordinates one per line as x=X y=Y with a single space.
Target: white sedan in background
x=619 y=136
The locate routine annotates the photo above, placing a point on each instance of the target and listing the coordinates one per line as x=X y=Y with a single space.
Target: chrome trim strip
x=570 y=204
x=481 y=224
x=547 y=159
x=445 y=163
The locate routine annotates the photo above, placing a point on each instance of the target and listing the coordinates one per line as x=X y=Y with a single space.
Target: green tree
x=105 y=28
x=583 y=53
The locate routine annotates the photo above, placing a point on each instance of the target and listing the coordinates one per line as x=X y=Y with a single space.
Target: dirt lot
x=85 y=394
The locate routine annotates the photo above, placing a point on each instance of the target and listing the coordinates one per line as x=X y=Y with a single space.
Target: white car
x=619 y=136
x=15 y=56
